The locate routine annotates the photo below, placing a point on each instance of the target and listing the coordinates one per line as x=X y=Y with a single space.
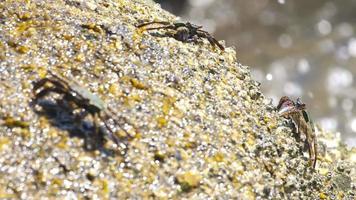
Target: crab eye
x=288 y=104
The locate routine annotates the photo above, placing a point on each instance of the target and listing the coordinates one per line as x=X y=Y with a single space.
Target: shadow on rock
x=76 y=121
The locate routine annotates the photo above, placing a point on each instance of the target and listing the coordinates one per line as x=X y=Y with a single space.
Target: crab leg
x=162 y=27
x=111 y=133
x=214 y=42
x=42 y=82
x=304 y=127
x=312 y=150
x=96 y=125
x=114 y=138
x=154 y=22
x=116 y=121
x=45 y=92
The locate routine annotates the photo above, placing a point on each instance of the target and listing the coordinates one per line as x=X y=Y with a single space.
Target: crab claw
x=300 y=105
x=285 y=106
x=286 y=110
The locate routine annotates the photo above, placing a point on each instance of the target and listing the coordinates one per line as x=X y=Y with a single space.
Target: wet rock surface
x=199 y=126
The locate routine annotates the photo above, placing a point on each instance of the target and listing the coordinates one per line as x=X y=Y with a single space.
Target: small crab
x=184 y=32
x=296 y=111
x=76 y=95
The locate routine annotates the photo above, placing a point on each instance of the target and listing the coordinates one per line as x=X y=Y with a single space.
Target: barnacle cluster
x=203 y=128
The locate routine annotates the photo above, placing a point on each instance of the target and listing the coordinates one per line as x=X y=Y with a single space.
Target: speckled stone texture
x=199 y=127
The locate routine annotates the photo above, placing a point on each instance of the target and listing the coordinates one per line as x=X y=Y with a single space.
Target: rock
x=191 y=122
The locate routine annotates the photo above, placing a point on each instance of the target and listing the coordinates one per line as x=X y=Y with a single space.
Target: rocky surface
x=199 y=126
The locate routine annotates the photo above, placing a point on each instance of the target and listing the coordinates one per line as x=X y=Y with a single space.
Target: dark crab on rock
x=184 y=32
x=81 y=98
x=296 y=111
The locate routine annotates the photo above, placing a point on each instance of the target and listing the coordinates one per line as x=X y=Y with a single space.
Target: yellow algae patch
x=323 y=171
x=97 y=69
x=114 y=89
x=168 y=104
x=62 y=144
x=159 y=156
x=121 y=134
x=250 y=141
x=161 y=121
x=22 y=27
x=25 y=133
x=93 y=27
x=80 y=57
x=12 y=122
x=42 y=72
x=29 y=67
x=189 y=180
x=218 y=157
x=323 y=196
x=102 y=89
x=24 y=16
x=6 y=195
x=55 y=185
x=104 y=189
x=4 y=143
x=40 y=177
x=138 y=84
x=22 y=49
x=135 y=97
x=248 y=193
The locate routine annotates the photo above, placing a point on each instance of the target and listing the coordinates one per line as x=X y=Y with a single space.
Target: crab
x=296 y=111
x=81 y=98
x=184 y=31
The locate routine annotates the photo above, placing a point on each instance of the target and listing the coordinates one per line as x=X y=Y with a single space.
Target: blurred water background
x=296 y=48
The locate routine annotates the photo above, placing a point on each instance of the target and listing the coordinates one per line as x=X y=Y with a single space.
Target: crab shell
x=286 y=106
